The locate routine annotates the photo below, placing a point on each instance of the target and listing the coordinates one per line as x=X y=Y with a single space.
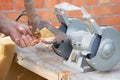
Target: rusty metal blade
x=37 y=23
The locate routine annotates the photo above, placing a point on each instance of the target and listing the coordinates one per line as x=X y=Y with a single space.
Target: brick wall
x=105 y=12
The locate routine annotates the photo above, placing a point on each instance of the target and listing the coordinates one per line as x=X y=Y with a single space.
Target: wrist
x=8 y=27
x=6 y=24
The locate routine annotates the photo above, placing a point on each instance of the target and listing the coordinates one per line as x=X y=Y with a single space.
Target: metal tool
x=36 y=22
x=91 y=47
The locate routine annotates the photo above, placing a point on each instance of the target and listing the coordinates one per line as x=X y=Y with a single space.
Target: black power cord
x=23 y=13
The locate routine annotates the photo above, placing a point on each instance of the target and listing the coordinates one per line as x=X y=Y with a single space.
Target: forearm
x=5 y=23
x=19 y=33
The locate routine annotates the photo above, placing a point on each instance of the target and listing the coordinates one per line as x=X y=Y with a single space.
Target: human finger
x=15 y=36
x=31 y=39
x=35 y=41
x=22 y=43
x=27 y=29
x=27 y=40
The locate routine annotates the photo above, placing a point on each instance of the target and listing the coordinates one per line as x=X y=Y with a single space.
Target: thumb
x=22 y=30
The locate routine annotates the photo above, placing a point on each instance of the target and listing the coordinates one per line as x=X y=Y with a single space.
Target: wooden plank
x=38 y=69
x=7 y=50
x=17 y=72
x=31 y=61
x=41 y=60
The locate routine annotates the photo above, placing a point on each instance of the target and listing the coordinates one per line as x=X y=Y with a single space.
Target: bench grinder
x=90 y=46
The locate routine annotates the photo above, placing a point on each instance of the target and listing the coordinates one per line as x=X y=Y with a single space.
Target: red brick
x=55 y=24
x=12 y=15
x=39 y=3
x=23 y=19
x=78 y=2
x=69 y=1
x=111 y=20
x=87 y=8
x=102 y=10
x=51 y=3
x=89 y=2
x=117 y=27
x=47 y=14
x=98 y=21
x=115 y=1
x=118 y=9
x=104 y=1
x=20 y=4
x=6 y=4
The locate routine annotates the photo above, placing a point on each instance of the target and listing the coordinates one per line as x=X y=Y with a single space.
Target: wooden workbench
x=41 y=60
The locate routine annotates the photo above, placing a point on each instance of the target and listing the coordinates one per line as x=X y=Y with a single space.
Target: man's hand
x=22 y=35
